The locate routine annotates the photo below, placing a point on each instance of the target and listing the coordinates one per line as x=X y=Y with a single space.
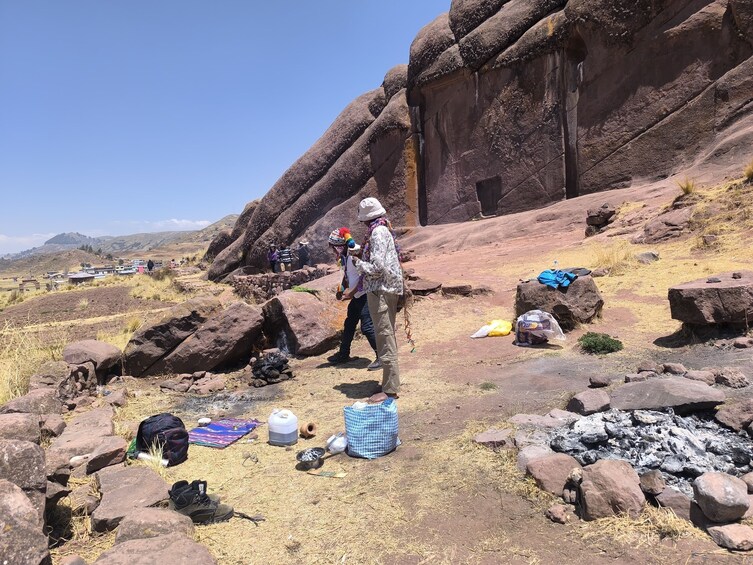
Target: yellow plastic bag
x=494 y=328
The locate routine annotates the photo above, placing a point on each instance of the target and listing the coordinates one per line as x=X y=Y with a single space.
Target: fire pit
x=681 y=447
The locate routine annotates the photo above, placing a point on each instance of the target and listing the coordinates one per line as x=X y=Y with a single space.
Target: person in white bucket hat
x=383 y=282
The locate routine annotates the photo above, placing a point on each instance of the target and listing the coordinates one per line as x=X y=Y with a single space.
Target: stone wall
x=262 y=287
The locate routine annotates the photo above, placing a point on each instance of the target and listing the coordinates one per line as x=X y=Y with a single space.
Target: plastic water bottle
x=146 y=457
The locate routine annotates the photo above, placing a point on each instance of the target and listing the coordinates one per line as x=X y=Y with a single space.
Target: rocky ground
x=441 y=498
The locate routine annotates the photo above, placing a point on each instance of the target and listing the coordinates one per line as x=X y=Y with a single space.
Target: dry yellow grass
x=748 y=172
x=687 y=185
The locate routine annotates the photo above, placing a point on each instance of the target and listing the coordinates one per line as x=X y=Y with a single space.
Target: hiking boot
x=338 y=358
x=377 y=364
x=192 y=500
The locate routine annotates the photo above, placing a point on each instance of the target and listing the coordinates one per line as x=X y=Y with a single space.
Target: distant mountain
x=127 y=244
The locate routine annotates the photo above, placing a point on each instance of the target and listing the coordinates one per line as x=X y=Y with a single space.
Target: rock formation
x=508 y=105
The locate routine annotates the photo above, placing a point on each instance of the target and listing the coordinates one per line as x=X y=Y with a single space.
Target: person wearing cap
x=350 y=289
x=383 y=283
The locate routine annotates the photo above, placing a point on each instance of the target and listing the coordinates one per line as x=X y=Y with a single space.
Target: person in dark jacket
x=303 y=254
x=273 y=258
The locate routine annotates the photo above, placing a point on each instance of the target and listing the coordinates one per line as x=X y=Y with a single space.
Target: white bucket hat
x=370 y=209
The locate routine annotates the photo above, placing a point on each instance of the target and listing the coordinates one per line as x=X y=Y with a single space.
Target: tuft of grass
x=132 y=325
x=598 y=343
x=687 y=186
x=22 y=352
x=616 y=258
x=15 y=297
x=83 y=304
x=652 y=525
x=748 y=172
x=487 y=385
x=163 y=274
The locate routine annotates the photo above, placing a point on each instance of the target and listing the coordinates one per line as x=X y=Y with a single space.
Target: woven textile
x=372 y=429
x=221 y=433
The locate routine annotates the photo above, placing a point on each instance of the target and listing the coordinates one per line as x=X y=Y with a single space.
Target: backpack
x=166 y=431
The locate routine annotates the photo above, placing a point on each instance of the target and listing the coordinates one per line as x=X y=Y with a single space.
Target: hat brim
x=373 y=215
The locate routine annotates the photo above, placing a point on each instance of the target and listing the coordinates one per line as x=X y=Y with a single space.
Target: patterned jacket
x=382 y=272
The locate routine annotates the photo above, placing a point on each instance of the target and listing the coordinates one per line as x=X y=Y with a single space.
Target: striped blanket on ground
x=221 y=433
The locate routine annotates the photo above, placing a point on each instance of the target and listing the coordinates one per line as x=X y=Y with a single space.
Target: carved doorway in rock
x=489 y=191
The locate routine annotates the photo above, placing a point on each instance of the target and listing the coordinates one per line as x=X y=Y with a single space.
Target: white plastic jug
x=283 y=427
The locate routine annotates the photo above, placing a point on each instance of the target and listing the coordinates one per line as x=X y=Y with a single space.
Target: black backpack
x=166 y=431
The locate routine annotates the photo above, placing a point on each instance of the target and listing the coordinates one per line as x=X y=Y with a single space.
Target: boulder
x=666 y=226
x=722 y=497
x=589 y=402
x=699 y=302
x=81 y=437
x=152 y=342
x=599 y=381
x=20 y=426
x=610 y=487
x=22 y=463
x=153 y=522
x=736 y=415
x=52 y=424
x=228 y=337
x=49 y=375
x=311 y=324
x=106 y=357
x=558 y=513
x=676 y=501
x=731 y=377
x=167 y=548
x=531 y=453
x=494 y=438
x=22 y=540
x=703 y=376
x=579 y=303
x=124 y=490
x=747 y=478
x=551 y=472
x=39 y=401
x=110 y=451
x=652 y=482
x=732 y=536
x=681 y=394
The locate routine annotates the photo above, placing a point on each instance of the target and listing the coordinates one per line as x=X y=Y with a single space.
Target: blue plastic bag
x=372 y=429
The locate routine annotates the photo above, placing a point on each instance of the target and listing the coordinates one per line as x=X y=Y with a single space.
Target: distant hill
x=156 y=244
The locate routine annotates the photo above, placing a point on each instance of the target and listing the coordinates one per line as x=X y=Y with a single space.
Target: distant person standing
x=150 y=266
x=383 y=283
x=286 y=258
x=273 y=257
x=303 y=254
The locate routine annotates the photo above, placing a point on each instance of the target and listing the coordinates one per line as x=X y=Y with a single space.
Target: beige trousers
x=383 y=310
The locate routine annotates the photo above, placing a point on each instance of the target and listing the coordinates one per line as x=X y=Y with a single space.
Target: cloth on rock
x=556 y=279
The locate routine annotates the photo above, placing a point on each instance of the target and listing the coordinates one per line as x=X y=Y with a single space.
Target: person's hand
x=349 y=294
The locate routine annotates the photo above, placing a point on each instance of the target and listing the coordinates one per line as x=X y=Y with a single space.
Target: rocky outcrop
x=508 y=105
x=308 y=324
x=22 y=539
x=682 y=395
x=105 y=357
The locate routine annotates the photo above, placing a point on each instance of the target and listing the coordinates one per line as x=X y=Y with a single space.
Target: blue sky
x=120 y=117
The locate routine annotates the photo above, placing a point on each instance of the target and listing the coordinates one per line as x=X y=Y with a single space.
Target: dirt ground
x=439 y=498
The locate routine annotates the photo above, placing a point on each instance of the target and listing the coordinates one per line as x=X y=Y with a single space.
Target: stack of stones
x=599 y=218
x=262 y=287
x=271 y=369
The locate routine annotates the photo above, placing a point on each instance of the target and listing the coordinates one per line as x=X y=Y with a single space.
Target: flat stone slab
x=732 y=536
x=169 y=548
x=494 y=438
x=153 y=522
x=125 y=489
x=683 y=395
x=729 y=301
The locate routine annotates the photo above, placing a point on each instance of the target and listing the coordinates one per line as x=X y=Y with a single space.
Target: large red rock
x=736 y=415
x=227 y=337
x=700 y=302
x=106 y=357
x=23 y=464
x=311 y=324
x=610 y=487
x=39 y=401
x=683 y=395
x=589 y=402
x=732 y=536
x=22 y=540
x=153 y=342
x=110 y=451
x=153 y=522
x=125 y=490
x=20 y=426
x=167 y=548
x=83 y=435
x=577 y=304
x=722 y=497
x=551 y=472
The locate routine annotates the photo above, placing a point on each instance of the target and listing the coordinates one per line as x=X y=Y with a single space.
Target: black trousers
x=358 y=310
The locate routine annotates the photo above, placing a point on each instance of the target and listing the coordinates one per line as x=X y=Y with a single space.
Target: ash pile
x=681 y=447
x=271 y=369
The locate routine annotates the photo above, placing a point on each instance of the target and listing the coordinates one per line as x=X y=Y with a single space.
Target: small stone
x=731 y=377
x=73 y=560
x=675 y=501
x=558 y=513
x=644 y=366
x=636 y=377
x=674 y=368
x=743 y=342
x=652 y=482
x=704 y=376
x=732 y=536
x=118 y=398
x=494 y=438
x=647 y=257
x=589 y=402
x=747 y=478
x=737 y=275
x=599 y=381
